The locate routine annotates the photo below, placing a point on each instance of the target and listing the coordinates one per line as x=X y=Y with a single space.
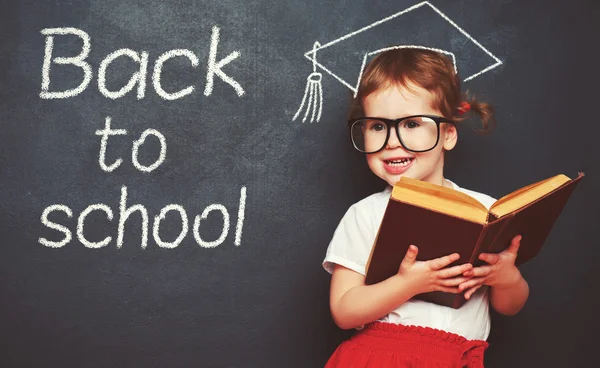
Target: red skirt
x=381 y=345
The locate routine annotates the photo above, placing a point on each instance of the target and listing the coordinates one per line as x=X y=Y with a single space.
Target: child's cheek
x=375 y=164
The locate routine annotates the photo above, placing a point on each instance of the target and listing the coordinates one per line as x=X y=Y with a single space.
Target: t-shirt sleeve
x=352 y=241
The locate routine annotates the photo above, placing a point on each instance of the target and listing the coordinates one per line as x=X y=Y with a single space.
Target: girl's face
x=396 y=102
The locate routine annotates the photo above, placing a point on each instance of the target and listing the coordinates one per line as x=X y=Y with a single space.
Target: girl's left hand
x=499 y=273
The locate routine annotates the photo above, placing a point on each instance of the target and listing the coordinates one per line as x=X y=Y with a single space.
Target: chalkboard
x=172 y=172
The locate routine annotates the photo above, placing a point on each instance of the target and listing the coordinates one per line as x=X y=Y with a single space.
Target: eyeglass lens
x=416 y=134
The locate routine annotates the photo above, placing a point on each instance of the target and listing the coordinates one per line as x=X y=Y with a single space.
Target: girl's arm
x=509 y=299
x=354 y=304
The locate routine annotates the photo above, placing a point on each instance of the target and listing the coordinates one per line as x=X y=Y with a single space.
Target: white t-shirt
x=351 y=245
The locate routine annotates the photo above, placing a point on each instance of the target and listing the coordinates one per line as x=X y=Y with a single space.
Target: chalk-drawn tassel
x=313 y=92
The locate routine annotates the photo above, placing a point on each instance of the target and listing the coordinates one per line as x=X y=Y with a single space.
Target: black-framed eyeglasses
x=416 y=133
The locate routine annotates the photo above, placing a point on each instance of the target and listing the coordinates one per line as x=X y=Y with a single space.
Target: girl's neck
x=446 y=183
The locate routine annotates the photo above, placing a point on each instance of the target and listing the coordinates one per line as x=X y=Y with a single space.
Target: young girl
x=404 y=118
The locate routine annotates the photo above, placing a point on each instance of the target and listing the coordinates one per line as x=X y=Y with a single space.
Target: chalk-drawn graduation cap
x=419 y=26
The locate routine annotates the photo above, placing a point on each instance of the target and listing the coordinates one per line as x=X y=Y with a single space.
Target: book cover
x=438 y=234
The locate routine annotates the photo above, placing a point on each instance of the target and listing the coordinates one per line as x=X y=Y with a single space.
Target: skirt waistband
x=419 y=340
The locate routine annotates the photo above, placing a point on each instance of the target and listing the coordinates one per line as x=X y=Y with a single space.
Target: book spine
x=493 y=246
x=477 y=246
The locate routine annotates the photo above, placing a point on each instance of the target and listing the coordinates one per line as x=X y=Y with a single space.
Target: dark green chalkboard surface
x=171 y=172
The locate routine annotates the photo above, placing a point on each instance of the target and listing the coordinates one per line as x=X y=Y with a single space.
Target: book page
x=439 y=199
x=526 y=195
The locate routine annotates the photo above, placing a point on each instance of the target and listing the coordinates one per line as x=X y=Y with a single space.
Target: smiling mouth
x=400 y=162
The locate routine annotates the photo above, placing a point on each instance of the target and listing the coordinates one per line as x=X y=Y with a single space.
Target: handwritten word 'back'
x=213 y=68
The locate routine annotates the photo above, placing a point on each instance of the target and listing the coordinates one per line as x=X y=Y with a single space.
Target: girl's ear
x=448 y=136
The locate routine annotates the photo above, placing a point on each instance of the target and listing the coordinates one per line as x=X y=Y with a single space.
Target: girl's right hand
x=426 y=276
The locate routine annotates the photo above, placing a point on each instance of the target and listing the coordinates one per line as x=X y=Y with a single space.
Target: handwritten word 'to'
x=108 y=131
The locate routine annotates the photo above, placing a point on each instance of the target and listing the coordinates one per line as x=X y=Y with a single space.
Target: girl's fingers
x=454 y=271
x=442 y=262
x=454 y=281
x=515 y=243
x=478 y=271
x=469 y=284
x=411 y=256
x=490 y=258
x=471 y=291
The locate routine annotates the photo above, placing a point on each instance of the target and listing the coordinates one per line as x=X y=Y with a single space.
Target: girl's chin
x=397 y=175
x=392 y=179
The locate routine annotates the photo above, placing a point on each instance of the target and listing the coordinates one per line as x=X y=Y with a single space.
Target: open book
x=441 y=221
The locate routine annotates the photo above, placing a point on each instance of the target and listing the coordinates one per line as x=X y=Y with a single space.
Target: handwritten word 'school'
x=213 y=68
x=125 y=212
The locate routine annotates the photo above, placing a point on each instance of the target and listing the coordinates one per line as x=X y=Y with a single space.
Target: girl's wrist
x=404 y=287
x=513 y=280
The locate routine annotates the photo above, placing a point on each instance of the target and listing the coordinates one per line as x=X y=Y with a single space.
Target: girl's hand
x=500 y=273
x=432 y=275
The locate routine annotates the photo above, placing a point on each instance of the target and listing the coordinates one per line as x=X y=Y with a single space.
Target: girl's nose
x=393 y=141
